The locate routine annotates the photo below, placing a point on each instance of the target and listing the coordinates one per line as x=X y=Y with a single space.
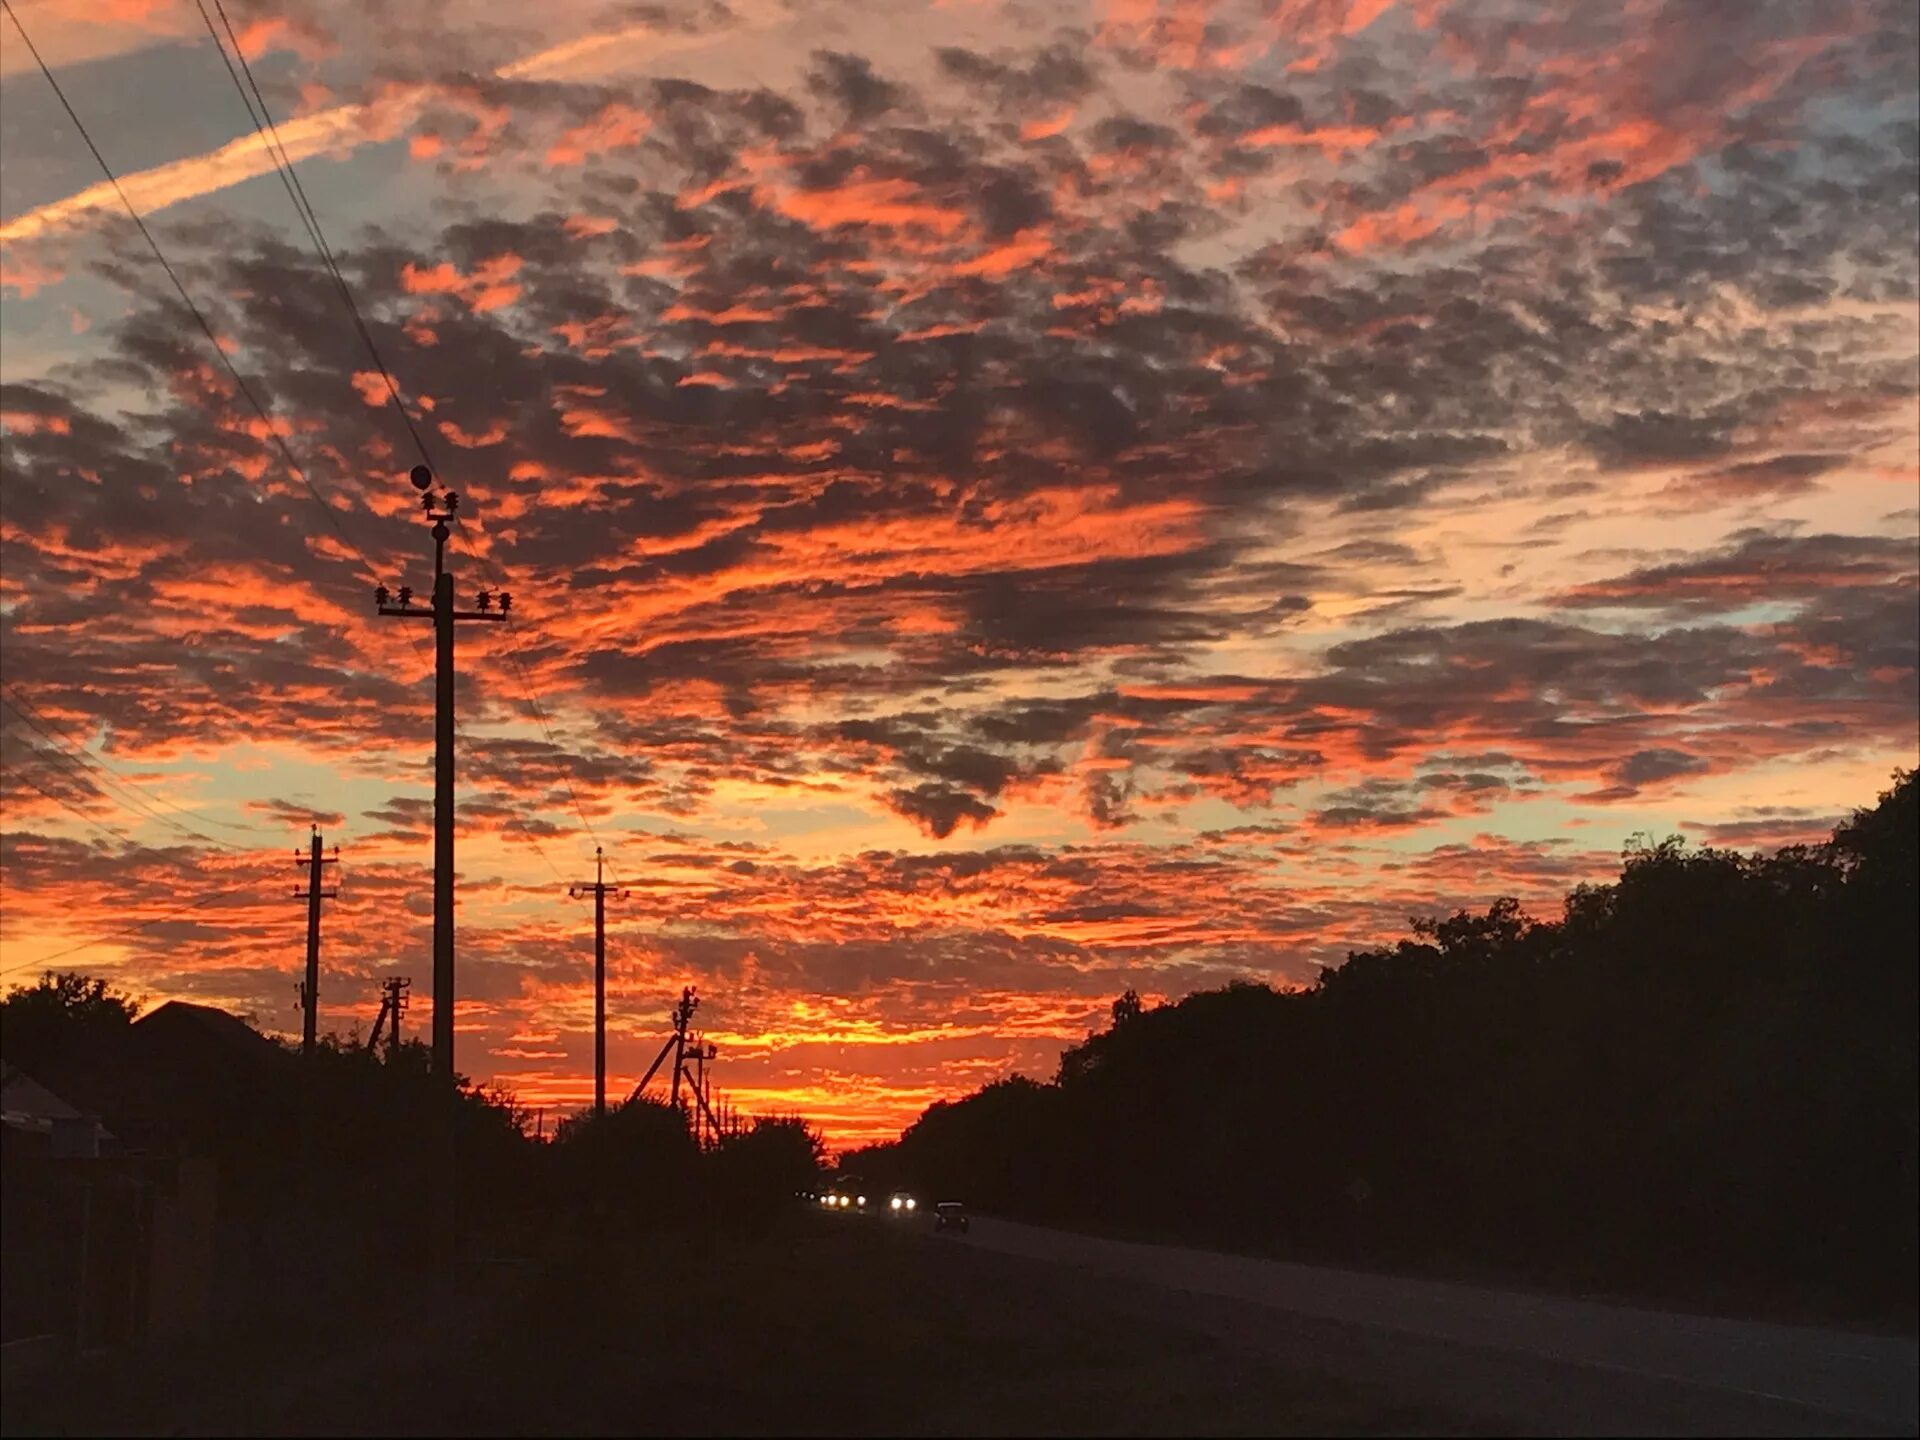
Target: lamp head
x=421 y=476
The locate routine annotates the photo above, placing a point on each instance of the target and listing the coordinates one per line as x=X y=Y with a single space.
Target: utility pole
x=393 y=1004
x=313 y=895
x=705 y=1126
x=676 y=1044
x=396 y=989
x=599 y=889
x=682 y=1017
x=440 y=508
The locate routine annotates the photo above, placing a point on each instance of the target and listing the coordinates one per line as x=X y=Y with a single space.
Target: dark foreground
x=817 y=1326
x=1534 y=1362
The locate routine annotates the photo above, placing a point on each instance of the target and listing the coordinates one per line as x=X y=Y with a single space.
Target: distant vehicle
x=900 y=1204
x=846 y=1193
x=950 y=1215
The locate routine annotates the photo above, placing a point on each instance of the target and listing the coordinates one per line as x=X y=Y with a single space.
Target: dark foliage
x=635 y=1162
x=1699 y=1080
x=58 y=1012
x=753 y=1176
x=639 y=1162
x=327 y=1167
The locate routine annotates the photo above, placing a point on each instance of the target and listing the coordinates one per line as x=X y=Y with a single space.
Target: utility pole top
x=598 y=885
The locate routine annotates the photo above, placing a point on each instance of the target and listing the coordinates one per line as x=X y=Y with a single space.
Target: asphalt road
x=1517 y=1361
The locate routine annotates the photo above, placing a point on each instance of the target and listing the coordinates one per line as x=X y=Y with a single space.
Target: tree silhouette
x=58 y=1012
x=1698 y=1079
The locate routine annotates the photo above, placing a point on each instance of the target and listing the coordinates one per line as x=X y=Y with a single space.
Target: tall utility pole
x=599 y=889
x=313 y=895
x=441 y=508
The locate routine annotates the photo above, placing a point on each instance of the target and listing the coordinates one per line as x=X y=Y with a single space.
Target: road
x=1520 y=1361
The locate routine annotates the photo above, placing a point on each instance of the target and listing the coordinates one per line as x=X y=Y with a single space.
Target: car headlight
x=910 y=1205
x=894 y=1204
x=861 y=1201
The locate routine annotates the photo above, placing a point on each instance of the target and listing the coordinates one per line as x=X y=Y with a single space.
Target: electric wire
x=11 y=697
x=258 y=112
x=276 y=152
x=269 y=132
x=240 y=383
x=206 y=898
x=105 y=827
x=529 y=691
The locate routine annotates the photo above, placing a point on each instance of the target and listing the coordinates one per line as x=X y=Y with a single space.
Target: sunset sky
x=1003 y=502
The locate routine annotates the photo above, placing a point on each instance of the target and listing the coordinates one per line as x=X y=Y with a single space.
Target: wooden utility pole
x=705 y=1125
x=682 y=1017
x=676 y=1044
x=313 y=895
x=599 y=889
x=393 y=1004
x=441 y=508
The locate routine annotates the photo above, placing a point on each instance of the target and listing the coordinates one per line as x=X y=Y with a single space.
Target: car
x=950 y=1215
x=900 y=1205
x=847 y=1193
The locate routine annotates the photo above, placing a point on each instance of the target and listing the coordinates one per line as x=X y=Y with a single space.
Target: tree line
x=325 y=1164
x=1698 y=1080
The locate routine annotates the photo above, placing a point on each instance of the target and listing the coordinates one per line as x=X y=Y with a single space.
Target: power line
x=113 y=831
x=124 y=789
x=528 y=690
x=269 y=133
x=124 y=837
x=240 y=383
x=274 y=149
x=258 y=112
x=266 y=420
x=134 y=929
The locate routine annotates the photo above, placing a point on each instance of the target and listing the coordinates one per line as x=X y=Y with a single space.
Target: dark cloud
x=1757 y=568
x=849 y=81
x=1644 y=767
x=294 y=815
x=1059 y=73
x=1753 y=480
x=941 y=809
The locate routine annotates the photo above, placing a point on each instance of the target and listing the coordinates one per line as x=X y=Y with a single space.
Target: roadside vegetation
x=1697 y=1082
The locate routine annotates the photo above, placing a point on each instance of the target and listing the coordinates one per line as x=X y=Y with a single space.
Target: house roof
x=26 y=1104
x=185 y=1071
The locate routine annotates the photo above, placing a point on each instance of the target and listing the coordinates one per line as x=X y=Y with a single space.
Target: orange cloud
x=618 y=127
x=486 y=288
